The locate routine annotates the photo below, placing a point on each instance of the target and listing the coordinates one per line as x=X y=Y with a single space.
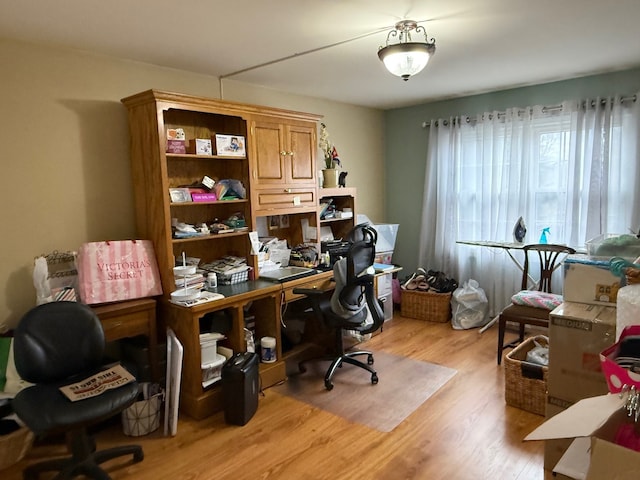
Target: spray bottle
x=543 y=235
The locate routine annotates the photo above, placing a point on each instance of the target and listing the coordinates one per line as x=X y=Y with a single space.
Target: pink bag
x=117 y=270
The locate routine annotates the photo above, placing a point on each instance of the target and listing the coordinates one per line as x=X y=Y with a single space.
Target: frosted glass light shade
x=405 y=59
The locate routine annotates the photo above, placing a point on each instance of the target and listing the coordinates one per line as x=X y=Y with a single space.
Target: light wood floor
x=463 y=432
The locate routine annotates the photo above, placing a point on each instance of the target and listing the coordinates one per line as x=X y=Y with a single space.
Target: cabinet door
x=301 y=155
x=269 y=154
x=283 y=153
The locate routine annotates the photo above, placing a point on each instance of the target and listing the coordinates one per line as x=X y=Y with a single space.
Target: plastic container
x=268 y=349
x=614 y=245
x=212 y=371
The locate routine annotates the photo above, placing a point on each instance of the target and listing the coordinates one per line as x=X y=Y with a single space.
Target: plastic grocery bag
x=469 y=306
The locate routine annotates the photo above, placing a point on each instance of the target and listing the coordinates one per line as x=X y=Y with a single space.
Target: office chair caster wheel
x=374 y=379
x=138 y=456
x=328 y=385
x=370 y=359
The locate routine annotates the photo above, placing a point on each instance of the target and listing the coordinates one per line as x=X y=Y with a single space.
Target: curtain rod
x=551 y=108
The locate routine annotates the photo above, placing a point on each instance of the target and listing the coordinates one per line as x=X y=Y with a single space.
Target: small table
x=129 y=319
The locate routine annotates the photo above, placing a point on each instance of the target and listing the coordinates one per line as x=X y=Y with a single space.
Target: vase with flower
x=331 y=159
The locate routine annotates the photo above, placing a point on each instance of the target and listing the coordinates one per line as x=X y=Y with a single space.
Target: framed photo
x=284 y=221
x=274 y=222
x=179 y=195
x=230 y=145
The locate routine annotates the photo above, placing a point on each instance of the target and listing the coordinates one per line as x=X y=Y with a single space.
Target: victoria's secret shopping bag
x=117 y=270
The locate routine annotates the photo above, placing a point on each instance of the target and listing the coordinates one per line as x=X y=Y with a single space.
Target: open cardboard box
x=593 y=422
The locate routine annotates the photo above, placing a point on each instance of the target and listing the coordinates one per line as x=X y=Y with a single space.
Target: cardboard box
x=596 y=419
x=555 y=448
x=176 y=146
x=589 y=281
x=578 y=332
x=200 y=146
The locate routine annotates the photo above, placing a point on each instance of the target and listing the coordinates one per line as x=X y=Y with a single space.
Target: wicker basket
x=430 y=306
x=14 y=446
x=525 y=384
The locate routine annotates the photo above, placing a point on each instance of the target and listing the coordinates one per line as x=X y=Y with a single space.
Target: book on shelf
x=382 y=267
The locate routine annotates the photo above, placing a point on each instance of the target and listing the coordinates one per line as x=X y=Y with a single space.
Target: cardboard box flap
x=575 y=461
x=579 y=420
x=612 y=462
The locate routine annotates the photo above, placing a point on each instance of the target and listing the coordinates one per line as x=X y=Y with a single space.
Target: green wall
x=406 y=142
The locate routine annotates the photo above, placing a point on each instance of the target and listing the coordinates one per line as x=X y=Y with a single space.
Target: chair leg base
x=349 y=358
x=84 y=461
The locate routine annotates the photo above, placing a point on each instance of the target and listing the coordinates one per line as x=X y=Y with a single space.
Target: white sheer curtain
x=573 y=169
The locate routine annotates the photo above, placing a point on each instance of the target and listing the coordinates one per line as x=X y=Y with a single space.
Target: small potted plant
x=331 y=160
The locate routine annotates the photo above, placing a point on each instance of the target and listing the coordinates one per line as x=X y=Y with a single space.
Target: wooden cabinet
x=278 y=173
x=283 y=162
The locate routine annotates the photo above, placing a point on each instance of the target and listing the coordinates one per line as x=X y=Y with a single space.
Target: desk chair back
x=548 y=256
x=352 y=284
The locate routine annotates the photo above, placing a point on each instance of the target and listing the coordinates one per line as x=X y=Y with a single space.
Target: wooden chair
x=536 y=306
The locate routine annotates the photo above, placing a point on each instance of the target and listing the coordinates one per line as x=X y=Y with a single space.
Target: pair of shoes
x=439 y=282
x=417 y=281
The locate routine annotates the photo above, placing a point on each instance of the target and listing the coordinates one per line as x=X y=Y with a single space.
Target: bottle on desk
x=212 y=281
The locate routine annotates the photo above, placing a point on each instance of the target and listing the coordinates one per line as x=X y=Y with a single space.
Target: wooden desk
x=129 y=319
x=256 y=297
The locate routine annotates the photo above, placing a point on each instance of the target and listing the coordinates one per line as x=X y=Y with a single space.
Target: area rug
x=404 y=384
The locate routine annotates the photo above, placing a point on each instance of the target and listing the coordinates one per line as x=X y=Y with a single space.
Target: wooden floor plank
x=463 y=432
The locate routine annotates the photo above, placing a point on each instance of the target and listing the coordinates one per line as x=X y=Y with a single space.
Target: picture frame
x=284 y=221
x=274 y=222
x=230 y=145
x=179 y=195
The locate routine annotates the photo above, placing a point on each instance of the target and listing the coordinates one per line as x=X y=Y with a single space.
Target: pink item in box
x=176 y=146
x=614 y=358
x=204 y=197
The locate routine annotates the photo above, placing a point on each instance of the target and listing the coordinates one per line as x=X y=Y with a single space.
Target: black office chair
x=352 y=299
x=536 y=310
x=57 y=344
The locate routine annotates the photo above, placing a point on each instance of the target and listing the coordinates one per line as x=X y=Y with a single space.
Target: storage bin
x=143 y=417
x=238 y=277
x=429 y=306
x=525 y=383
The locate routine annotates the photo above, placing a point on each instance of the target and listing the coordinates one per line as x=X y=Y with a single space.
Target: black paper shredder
x=240 y=386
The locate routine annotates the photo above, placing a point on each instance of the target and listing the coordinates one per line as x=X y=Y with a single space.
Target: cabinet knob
x=287 y=190
x=283 y=153
x=290 y=154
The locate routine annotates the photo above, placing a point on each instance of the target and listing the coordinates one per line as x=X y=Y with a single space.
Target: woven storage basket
x=14 y=446
x=525 y=383
x=430 y=306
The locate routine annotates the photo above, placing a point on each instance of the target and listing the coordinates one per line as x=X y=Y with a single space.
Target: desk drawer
x=320 y=284
x=286 y=198
x=125 y=325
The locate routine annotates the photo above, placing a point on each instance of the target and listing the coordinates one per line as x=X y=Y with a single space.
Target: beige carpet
x=404 y=385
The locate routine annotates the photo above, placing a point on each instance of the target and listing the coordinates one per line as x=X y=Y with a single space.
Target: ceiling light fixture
x=406 y=58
